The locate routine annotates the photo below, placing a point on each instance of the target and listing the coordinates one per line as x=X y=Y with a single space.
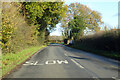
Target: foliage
x=108 y=41
x=106 y=44
x=77 y=27
x=45 y=14
x=16 y=33
x=28 y=24
x=89 y=18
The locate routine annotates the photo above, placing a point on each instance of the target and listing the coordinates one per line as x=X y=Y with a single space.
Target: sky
x=107 y=8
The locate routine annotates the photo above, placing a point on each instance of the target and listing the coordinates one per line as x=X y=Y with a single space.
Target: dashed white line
x=77 y=64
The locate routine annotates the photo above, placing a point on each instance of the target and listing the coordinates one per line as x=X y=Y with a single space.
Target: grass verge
x=109 y=54
x=10 y=60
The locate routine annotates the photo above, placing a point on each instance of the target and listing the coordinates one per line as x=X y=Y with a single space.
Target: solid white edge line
x=77 y=64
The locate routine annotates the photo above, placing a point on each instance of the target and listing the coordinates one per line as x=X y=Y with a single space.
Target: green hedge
x=107 y=44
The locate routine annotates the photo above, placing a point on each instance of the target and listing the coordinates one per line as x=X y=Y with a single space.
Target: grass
x=10 y=60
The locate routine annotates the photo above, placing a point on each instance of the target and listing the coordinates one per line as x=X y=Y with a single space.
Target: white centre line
x=77 y=64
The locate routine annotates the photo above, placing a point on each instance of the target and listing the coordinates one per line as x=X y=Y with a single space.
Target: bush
x=16 y=33
x=109 y=41
x=107 y=44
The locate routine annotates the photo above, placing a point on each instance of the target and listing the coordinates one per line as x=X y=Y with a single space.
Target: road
x=57 y=61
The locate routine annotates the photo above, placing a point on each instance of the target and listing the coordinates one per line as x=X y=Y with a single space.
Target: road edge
x=106 y=59
x=19 y=65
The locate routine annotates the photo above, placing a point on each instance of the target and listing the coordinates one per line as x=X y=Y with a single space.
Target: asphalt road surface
x=58 y=61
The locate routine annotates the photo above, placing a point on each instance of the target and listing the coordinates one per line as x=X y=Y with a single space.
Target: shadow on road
x=72 y=50
x=91 y=57
x=78 y=58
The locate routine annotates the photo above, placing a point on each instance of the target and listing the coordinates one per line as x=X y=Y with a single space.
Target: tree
x=88 y=18
x=43 y=14
x=26 y=24
x=77 y=27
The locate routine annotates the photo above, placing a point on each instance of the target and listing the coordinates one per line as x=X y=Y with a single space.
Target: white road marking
x=114 y=77
x=60 y=61
x=36 y=62
x=50 y=62
x=56 y=61
x=31 y=63
x=39 y=64
x=66 y=55
x=77 y=64
x=96 y=78
x=27 y=62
